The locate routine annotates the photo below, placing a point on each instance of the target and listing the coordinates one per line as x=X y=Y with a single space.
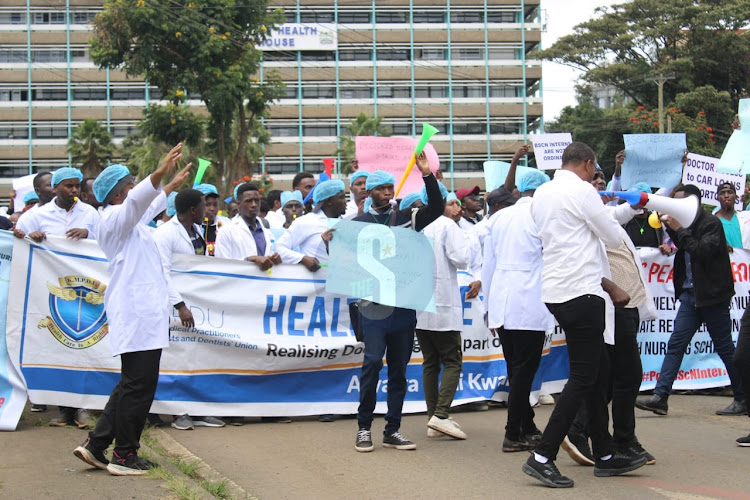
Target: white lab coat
x=171 y=238
x=452 y=252
x=276 y=219
x=136 y=299
x=304 y=233
x=234 y=240
x=512 y=271
x=53 y=220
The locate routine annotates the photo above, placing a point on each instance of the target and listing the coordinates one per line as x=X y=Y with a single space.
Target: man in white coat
x=245 y=238
x=512 y=283
x=136 y=302
x=439 y=333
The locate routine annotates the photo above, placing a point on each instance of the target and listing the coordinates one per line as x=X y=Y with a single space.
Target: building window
x=503 y=91
x=501 y=17
x=49 y=95
x=502 y=53
x=391 y=17
x=12 y=18
x=467 y=54
x=469 y=128
x=355 y=55
x=289 y=93
x=401 y=129
x=354 y=17
x=504 y=128
x=318 y=92
x=89 y=94
x=14 y=133
x=430 y=54
x=316 y=17
x=393 y=55
x=389 y=91
x=429 y=17
x=12 y=56
x=13 y=95
x=315 y=55
x=279 y=56
x=50 y=132
x=83 y=17
x=356 y=93
x=318 y=130
x=284 y=130
x=467 y=17
x=123 y=130
x=434 y=91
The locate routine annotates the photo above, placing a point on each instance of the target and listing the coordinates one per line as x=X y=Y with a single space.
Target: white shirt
x=276 y=219
x=56 y=221
x=352 y=210
x=171 y=238
x=452 y=252
x=235 y=241
x=571 y=219
x=136 y=299
x=304 y=233
x=512 y=271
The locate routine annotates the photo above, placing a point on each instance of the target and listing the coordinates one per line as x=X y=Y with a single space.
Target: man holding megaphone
x=703 y=283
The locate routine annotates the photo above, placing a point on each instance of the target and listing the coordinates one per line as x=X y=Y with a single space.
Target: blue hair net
x=452 y=197
x=368 y=205
x=235 y=190
x=65 y=173
x=29 y=197
x=379 y=178
x=327 y=189
x=288 y=196
x=642 y=187
x=107 y=180
x=409 y=200
x=356 y=175
x=532 y=180
x=171 y=209
x=206 y=189
x=443 y=192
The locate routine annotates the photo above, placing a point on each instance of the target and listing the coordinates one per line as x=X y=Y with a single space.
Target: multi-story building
x=459 y=65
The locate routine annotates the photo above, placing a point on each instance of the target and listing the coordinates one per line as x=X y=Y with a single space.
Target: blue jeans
x=687 y=321
x=396 y=343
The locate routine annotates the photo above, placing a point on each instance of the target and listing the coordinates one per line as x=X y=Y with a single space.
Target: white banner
x=701 y=171
x=548 y=149
x=297 y=37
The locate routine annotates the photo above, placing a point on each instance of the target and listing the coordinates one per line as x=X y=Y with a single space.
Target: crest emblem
x=77 y=317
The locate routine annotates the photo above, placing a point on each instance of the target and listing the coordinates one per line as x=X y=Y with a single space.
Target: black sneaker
x=396 y=440
x=546 y=473
x=656 y=404
x=736 y=408
x=533 y=437
x=93 y=457
x=364 y=441
x=743 y=441
x=38 y=408
x=636 y=449
x=619 y=463
x=577 y=447
x=130 y=465
x=510 y=446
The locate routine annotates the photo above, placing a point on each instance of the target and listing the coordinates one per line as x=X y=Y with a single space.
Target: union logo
x=77 y=317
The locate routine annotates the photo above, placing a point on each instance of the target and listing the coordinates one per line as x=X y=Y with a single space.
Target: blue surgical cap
x=235 y=190
x=29 y=197
x=532 y=180
x=207 y=189
x=107 y=180
x=66 y=173
x=409 y=200
x=642 y=187
x=379 y=178
x=171 y=209
x=452 y=197
x=443 y=192
x=327 y=189
x=356 y=175
x=368 y=205
x=288 y=196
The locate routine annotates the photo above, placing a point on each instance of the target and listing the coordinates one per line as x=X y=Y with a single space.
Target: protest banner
x=389 y=265
x=734 y=158
x=548 y=149
x=653 y=158
x=392 y=154
x=495 y=173
x=701 y=171
x=301 y=36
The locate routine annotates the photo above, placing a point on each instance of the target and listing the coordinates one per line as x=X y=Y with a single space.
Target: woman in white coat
x=137 y=311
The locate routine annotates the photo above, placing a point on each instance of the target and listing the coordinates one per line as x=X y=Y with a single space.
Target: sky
x=558 y=81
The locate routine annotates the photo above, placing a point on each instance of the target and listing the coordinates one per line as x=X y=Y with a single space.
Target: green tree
x=699 y=42
x=362 y=125
x=90 y=147
x=206 y=48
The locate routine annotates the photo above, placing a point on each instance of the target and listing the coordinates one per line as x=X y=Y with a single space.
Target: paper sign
x=389 y=265
x=701 y=171
x=653 y=158
x=22 y=185
x=548 y=149
x=392 y=154
x=735 y=158
x=495 y=173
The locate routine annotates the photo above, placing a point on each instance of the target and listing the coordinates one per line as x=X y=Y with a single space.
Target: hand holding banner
x=548 y=149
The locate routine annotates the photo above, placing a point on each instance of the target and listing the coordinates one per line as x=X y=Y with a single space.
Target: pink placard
x=392 y=154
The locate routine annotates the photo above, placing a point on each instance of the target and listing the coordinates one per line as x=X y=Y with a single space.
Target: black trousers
x=582 y=319
x=523 y=353
x=625 y=375
x=125 y=414
x=741 y=357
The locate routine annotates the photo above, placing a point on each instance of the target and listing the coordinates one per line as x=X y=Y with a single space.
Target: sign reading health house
x=292 y=36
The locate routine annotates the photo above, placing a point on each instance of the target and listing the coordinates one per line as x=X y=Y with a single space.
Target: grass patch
x=217 y=489
x=39 y=423
x=187 y=467
x=182 y=489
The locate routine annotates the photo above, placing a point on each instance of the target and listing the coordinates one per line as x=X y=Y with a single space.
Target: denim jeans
x=396 y=343
x=686 y=323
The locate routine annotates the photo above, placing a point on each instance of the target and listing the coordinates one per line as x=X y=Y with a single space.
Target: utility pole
x=660 y=83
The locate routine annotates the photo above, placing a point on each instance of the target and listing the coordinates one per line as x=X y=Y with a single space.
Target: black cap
x=501 y=195
x=725 y=185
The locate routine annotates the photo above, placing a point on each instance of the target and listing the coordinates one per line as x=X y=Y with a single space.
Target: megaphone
x=685 y=210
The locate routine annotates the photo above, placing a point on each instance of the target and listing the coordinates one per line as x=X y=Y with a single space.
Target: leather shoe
x=656 y=404
x=736 y=408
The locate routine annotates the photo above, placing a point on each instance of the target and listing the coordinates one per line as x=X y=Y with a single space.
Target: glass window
x=467 y=166
x=13 y=95
x=468 y=91
x=355 y=55
x=271 y=55
x=354 y=17
x=50 y=95
x=315 y=55
x=504 y=128
x=129 y=94
x=469 y=128
x=284 y=130
x=290 y=16
x=467 y=17
x=401 y=129
x=316 y=17
x=50 y=132
x=392 y=17
x=88 y=94
x=123 y=130
x=83 y=17
x=14 y=133
x=503 y=91
x=12 y=56
x=290 y=93
x=12 y=18
x=154 y=93
x=393 y=55
x=356 y=93
x=311 y=92
x=430 y=54
x=389 y=91
x=502 y=53
x=431 y=91
x=467 y=54
x=317 y=130
x=501 y=17
x=429 y=17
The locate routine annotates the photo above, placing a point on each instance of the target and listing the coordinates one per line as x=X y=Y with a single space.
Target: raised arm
x=510 y=179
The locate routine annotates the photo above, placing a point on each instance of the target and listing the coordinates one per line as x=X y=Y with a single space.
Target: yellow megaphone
x=427 y=132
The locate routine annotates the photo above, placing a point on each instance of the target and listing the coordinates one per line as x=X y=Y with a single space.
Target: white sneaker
x=546 y=399
x=432 y=433
x=446 y=426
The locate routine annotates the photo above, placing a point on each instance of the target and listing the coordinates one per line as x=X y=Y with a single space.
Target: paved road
x=695 y=452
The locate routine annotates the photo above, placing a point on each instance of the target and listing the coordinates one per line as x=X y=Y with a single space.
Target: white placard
x=701 y=171
x=548 y=149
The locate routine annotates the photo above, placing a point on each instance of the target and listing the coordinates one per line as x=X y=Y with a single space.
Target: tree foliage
x=699 y=42
x=203 y=48
x=91 y=147
x=362 y=125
